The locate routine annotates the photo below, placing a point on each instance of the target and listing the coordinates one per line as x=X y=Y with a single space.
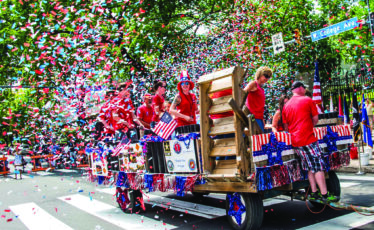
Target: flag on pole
x=356 y=118
x=166 y=126
x=123 y=145
x=346 y=111
x=365 y=124
x=331 y=105
x=317 y=96
x=341 y=113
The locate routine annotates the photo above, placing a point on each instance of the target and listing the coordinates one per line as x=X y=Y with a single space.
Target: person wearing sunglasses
x=184 y=106
x=159 y=87
x=256 y=95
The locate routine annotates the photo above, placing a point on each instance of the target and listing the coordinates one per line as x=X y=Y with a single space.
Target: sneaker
x=314 y=196
x=329 y=198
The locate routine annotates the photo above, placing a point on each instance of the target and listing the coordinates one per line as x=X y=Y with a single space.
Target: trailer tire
x=253 y=215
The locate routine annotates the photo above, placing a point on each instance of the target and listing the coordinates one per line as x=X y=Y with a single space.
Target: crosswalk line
x=348 y=221
x=108 y=212
x=35 y=218
x=66 y=170
x=347 y=184
x=195 y=209
x=356 y=178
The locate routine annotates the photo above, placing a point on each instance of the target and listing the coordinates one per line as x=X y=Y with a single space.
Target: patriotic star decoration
x=236 y=208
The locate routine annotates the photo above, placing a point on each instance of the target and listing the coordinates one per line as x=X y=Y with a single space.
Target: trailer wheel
x=245 y=211
x=122 y=198
x=136 y=202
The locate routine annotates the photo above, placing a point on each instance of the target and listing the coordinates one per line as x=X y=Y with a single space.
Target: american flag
x=165 y=126
x=317 y=96
x=123 y=145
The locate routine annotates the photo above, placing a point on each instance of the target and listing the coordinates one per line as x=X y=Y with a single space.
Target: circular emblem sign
x=192 y=164
x=170 y=166
x=177 y=148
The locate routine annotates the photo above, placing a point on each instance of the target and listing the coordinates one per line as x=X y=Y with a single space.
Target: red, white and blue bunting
x=158 y=182
x=270 y=146
x=344 y=134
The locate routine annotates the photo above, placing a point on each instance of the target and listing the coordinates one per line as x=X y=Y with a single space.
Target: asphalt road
x=64 y=199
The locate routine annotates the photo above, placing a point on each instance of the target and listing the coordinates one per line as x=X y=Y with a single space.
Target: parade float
x=253 y=166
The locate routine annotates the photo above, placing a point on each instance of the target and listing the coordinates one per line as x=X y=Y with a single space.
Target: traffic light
x=296 y=36
x=371 y=21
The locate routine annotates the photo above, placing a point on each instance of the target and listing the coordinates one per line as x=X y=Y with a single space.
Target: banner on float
x=99 y=164
x=334 y=29
x=133 y=160
x=180 y=156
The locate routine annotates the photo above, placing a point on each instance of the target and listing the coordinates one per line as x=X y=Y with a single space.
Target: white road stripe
x=348 y=221
x=360 y=178
x=347 y=184
x=34 y=217
x=108 y=212
x=65 y=170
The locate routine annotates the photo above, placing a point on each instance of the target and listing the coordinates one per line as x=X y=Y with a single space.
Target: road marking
x=362 y=178
x=110 y=213
x=66 y=170
x=43 y=173
x=348 y=221
x=34 y=217
x=347 y=184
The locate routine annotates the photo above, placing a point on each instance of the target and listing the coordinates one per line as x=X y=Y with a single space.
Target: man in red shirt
x=300 y=116
x=145 y=112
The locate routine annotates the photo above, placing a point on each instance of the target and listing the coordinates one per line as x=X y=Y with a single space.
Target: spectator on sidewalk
x=369 y=110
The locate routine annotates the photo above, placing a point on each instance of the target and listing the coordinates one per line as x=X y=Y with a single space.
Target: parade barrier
x=37 y=162
x=4 y=170
x=223 y=155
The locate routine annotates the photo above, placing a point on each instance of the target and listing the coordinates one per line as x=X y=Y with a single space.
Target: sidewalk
x=353 y=167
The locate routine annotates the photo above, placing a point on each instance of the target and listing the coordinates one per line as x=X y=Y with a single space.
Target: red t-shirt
x=157 y=101
x=218 y=95
x=187 y=106
x=256 y=102
x=145 y=113
x=298 y=113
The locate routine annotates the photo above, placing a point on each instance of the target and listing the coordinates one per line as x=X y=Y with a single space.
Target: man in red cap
x=184 y=106
x=300 y=115
x=145 y=112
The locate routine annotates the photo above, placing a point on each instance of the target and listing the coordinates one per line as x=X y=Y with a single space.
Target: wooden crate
x=229 y=129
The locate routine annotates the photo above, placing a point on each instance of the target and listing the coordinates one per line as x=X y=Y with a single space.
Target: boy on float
x=145 y=113
x=159 y=87
x=184 y=106
x=256 y=95
x=300 y=115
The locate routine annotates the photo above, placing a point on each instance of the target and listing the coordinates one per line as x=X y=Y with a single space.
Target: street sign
x=334 y=29
x=278 y=44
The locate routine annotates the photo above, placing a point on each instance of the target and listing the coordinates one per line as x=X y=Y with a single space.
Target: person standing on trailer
x=145 y=113
x=256 y=95
x=184 y=106
x=277 y=125
x=300 y=115
x=159 y=87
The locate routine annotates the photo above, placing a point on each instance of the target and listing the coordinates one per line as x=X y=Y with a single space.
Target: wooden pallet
x=234 y=170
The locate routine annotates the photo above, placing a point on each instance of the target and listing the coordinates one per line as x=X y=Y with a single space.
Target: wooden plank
x=225 y=171
x=225 y=187
x=223 y=121
x=226 y=164
x=241 y=148
x=223 y=129
x=205 y=123
x=223 y=151
x=221 y=84
x=222 y=108
x=239 y=113
x=226 y=142
x=221 y=100
x=215 y=75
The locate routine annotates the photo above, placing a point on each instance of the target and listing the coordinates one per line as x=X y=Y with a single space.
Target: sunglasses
x=267 y=76
x=185 y=83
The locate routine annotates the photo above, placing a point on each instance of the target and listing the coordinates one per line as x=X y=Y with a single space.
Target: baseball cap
x=297 y=84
